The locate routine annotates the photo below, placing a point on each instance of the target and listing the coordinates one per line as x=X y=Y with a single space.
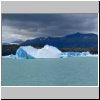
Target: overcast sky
x=30 y=26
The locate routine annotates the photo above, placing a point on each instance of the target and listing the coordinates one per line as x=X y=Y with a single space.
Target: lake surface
x=71 y=71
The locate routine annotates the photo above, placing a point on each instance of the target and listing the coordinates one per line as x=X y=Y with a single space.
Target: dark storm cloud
x=44 y=25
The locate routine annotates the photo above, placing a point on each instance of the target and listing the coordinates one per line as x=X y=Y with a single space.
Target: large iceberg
x=29 y=52
x=26 y=52
x=48 y=52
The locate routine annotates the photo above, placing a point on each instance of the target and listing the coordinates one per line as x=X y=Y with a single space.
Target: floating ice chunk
x=70 y=54
x=10 y=56
x=48 y=52
x=85 y=54
x=77 y=54
x=29 y=52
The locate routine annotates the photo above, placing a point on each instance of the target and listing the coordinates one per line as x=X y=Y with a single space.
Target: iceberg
x=48 y=52
x=29 y=52
x=69 y=54
x=26 y=52
x=77 y=54
x=10 y=56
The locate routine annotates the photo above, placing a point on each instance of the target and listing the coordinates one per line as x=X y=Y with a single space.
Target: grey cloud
x=44 y=25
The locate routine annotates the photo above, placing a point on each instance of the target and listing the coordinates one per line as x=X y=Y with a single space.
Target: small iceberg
x=10 y=56
x=77 y=54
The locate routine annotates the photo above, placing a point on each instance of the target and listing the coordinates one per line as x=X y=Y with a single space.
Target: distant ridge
x=77 y=40
x=16 y=42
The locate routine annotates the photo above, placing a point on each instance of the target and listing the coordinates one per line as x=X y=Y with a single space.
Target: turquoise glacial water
x=71 y=71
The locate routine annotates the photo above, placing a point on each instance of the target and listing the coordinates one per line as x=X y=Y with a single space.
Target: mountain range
x=77 y=40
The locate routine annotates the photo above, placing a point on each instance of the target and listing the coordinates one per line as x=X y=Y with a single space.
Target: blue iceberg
x=29 y=52
x=25 y=52
x=76 y=54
